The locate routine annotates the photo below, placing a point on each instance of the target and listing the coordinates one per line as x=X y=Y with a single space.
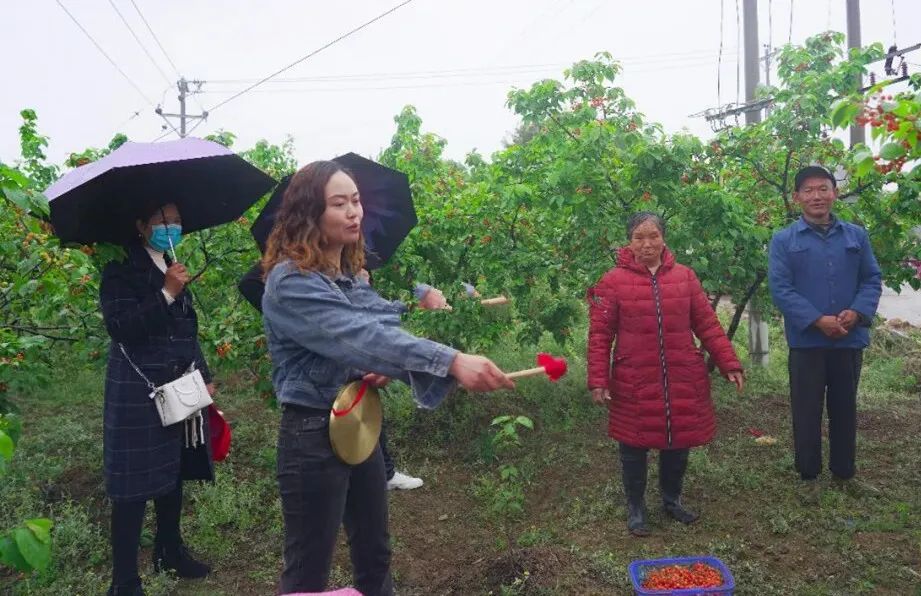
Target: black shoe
x=179 y=561
x=676 y=511
x=672 y=465
x=134 y=589
x=636 y=520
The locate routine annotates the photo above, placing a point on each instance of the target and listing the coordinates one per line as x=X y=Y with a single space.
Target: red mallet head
x=554 y=367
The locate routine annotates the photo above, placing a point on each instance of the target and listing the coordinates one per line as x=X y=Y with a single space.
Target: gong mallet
x=553 y=367
x=497 y=301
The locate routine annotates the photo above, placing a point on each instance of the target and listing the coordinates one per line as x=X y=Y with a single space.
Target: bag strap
x=136 y=369
x=142 y=375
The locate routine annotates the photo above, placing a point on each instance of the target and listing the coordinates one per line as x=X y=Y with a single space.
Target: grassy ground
x=460 y=535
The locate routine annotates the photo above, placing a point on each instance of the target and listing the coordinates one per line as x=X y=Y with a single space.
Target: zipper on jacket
x=660 y=324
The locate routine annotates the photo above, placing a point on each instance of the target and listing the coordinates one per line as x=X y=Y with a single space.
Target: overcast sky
x=455 y=60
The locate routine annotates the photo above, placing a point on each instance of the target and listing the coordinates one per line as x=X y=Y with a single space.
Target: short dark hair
x=641 y=217
x=146 y=208
x=813 y=172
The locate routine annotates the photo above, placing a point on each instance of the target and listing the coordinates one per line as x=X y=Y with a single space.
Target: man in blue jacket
x=825 y=280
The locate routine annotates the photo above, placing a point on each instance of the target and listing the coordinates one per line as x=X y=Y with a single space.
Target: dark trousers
x=127 y=521
x=824 y=378
x=318 y=494
x=673 y=464
x=389 y=468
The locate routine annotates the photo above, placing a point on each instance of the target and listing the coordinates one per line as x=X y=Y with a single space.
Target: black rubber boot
x=179 y=561
x=134 y=589
x=633 y=463
x=672 y=465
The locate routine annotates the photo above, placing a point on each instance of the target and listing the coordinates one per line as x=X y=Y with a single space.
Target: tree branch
x=860 y=188
x=36 y=331
x=624 y=205
x=762 y=173
x=785 y=189
x=740 y=308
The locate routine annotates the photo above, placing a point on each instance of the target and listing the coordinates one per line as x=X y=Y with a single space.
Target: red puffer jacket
x=660 y=389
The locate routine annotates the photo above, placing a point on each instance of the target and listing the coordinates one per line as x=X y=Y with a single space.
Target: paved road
x=905 y=306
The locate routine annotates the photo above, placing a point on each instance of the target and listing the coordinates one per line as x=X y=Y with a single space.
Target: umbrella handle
x=526 y=373
x=172 y=248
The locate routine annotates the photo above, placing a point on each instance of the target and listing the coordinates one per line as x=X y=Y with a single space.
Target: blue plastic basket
x=639 y=569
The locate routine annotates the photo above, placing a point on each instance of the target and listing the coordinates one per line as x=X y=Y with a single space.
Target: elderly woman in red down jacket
x=656 y=386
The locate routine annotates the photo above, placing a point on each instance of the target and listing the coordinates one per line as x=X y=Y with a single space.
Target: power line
x=894 y=40
x=156 y=39
x=719 y=60
x=738 y=44
x=358 y=86
x=103 y=52
x=770 y=42
x=313 y=53
x=790 y=32
x=467 y=72
x=138 y=40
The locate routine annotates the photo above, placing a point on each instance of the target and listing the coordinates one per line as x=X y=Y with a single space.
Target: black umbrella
x=385 y=197
x=252 y=286
x=388 y=217
x=209 y=183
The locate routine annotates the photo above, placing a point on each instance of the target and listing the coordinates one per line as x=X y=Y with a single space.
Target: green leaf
x=843 y=112
x=863 y=162
x=10 y=555
x=6 y=445
x=38 y=204
x=41 y=527
x=34 y=551
x=15 y=175
x=891 y=151
x=16 y=195
x=525 y=422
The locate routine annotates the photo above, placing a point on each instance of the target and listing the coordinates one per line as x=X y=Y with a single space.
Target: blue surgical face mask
x=162 y=235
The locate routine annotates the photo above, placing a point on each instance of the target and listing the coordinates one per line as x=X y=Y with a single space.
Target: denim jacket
x=323 y=333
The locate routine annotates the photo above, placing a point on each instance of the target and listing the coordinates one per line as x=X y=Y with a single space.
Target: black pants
x=821 y=378
x=389 y=468
x=127 y=521
x=318 y=494
x=673 y=464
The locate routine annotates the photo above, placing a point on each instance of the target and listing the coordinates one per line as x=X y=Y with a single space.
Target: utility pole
x=853 y=41
x=183 y=115
x=750 y=29
x=758 y=347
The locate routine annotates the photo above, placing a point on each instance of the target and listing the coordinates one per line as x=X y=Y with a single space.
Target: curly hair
x=297 y=235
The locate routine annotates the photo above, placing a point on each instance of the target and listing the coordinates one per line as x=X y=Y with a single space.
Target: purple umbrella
x=208 y=182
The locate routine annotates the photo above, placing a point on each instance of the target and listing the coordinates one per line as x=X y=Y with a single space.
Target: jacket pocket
x=621 y=384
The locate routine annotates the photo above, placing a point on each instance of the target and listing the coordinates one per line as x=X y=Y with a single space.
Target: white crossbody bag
x=179 y=400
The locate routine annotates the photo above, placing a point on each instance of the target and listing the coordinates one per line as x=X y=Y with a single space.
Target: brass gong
x=355 y=422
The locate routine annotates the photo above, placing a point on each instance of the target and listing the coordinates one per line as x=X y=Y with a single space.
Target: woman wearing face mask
x=327 y=327
x=658 y=393
x=149 y=316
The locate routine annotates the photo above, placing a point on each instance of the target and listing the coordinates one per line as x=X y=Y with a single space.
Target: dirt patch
x=78 y=483
x=530 y=571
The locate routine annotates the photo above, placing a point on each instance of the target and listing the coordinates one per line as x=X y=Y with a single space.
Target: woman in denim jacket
x=326 y=327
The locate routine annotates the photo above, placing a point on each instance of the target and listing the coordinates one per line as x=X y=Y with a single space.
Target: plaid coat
x=142 y=459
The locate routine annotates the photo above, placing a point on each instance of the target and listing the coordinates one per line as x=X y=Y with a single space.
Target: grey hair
x=642 y=217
